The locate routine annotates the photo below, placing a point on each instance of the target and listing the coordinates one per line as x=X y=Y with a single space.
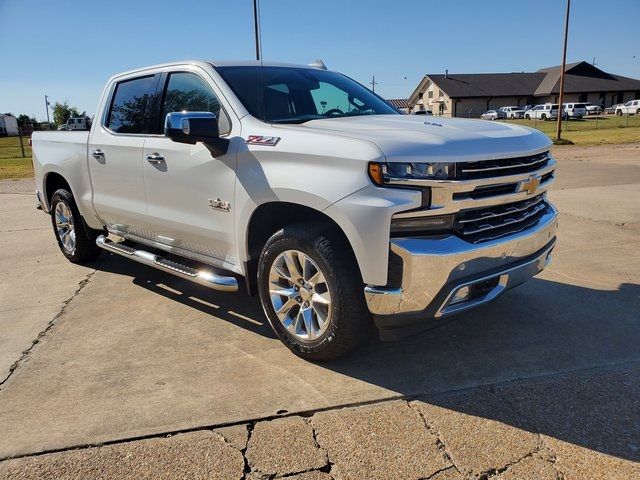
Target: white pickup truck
x=339 y=212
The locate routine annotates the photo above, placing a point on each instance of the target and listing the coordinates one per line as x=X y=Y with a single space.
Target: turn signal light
x=376 y=173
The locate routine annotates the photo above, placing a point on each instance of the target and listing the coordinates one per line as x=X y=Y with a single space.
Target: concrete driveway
x=546 y=379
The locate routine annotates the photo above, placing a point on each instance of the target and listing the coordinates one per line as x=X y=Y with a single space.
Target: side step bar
x=201 y=277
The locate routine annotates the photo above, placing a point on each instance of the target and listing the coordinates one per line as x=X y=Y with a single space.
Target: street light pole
x=46 y=106
x=564 y=62
x=256 y=28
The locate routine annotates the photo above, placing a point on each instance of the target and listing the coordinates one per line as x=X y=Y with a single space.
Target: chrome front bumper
x=435 y=269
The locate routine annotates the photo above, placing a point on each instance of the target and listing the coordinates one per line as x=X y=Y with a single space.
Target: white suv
x=547 y=111
x=512 y=112
x=574 y=110
x=630 y=108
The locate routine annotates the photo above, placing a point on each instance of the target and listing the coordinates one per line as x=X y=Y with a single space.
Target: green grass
x=608 y=129
x=12 y=165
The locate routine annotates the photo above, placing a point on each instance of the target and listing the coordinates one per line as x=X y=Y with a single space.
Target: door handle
x=155 y=158
x=97 y=154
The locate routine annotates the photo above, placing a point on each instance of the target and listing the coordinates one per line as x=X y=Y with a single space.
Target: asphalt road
x=114 y=351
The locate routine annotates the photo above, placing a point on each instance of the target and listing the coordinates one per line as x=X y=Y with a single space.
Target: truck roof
x=214 y=63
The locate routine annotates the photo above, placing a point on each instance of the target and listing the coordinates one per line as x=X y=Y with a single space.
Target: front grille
x=501 y=167
x=482 y=224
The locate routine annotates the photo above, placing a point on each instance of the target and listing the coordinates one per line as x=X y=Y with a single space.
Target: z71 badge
x=261 y=140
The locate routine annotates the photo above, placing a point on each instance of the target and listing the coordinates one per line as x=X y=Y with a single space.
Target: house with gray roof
x=471 y=94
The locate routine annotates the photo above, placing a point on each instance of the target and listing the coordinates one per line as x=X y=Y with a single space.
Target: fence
x=15 y=146
x=600 y=121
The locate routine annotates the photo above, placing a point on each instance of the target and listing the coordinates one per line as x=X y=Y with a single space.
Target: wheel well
x=53 y=182
x=270 y=217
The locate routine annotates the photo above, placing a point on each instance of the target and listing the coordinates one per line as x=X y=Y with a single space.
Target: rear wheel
x=77 y=242
x=543 y=117
x=528 y=117
x=312 y=292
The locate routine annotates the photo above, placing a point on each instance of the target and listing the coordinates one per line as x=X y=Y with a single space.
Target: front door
x=115 y=155
x=189 y=187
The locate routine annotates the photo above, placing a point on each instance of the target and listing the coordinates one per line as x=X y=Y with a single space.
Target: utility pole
x=373 y=83
x=46 y=106
x=256 y=28
x=564 y=62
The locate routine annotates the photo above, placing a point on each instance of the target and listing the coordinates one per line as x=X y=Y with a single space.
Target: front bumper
x=434 y=270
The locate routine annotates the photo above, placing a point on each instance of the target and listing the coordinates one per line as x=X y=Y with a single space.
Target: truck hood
x=418 y=137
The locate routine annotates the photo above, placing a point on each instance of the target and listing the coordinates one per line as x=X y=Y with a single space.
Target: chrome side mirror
x=192 y=127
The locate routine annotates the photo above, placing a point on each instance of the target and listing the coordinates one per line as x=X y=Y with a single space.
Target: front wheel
x=543 y=117
x=619 y=113
x=77 y=242
x=528 y=117
x=312 y=293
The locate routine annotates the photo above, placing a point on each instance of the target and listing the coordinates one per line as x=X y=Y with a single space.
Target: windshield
x=297 y=95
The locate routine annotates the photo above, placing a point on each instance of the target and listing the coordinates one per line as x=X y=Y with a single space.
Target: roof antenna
x=318 y=64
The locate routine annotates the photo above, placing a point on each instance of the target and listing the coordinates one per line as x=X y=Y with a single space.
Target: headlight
x=404 y=172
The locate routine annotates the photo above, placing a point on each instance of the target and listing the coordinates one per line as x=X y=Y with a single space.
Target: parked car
x=612 y=109
x=423 y=112
x=546 y=111
x=632 y=107
x=593 y=109
x=326 y=215
x=492 y=115
x=574 y=110
x=512 y=112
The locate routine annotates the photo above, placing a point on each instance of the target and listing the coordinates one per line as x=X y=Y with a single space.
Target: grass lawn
x=610 y=129
x=12 y=165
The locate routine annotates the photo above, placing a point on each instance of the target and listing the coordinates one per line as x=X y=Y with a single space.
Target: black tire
x=349 y=323
x=528 y=117
x=543 y=117
x=619 y=113
x=84 y=247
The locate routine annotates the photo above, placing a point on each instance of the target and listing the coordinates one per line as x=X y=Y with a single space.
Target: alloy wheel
x=300 y=295
x=65 y=228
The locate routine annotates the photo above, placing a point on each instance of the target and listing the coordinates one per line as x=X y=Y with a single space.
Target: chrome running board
x=201 y=277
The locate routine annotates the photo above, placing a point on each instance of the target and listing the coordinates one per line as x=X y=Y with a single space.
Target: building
x=8 y=125
x=401 y=104
x=471 y=94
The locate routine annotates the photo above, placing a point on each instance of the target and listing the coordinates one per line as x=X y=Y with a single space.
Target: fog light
x=462 y=295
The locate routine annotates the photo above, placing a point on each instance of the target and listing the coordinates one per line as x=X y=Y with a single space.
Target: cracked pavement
x=116 y=371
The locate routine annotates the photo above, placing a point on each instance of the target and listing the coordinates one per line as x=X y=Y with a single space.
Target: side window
x=189 y=93
x=131 y=104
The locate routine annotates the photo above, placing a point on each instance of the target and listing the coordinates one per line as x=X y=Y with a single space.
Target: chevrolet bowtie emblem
x=530 y=186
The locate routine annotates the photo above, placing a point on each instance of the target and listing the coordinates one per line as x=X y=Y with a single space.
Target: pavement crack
x=440 y=445
x=14 y=366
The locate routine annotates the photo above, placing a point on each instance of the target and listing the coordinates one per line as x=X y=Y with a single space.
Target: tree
x=63 y=112
x=25 y=120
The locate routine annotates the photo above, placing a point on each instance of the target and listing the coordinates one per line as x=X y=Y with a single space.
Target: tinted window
x=297 y=95
x=187 y=92
x=131 y=104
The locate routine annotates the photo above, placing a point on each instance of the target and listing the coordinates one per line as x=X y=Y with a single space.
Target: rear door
x=190 y=188
x=115 y=153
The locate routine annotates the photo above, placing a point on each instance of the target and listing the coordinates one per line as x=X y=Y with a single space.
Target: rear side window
x=187 y=92
x=131 y=104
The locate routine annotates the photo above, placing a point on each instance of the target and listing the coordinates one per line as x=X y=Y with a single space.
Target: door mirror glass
x=192 y=127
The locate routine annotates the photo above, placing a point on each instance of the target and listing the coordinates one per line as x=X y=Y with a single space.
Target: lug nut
x=296 y=288
x=306 y=304
x=299 y=299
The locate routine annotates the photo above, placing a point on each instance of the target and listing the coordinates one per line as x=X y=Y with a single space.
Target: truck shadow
x=541 y=358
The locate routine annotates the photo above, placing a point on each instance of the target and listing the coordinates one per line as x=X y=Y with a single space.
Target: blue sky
x=68 y=48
